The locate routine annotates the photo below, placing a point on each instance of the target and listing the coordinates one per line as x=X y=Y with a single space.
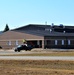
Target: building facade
x=40 y=36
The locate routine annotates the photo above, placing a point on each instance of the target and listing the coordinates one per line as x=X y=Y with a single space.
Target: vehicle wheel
x=25 y=50
x=30 y=50
x=15 y=50
x=18 y=50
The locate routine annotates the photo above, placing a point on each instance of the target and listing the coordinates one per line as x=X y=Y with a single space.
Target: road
x=36 y=58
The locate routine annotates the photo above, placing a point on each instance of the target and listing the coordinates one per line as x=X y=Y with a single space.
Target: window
x=16 y=42
x=9 y=42
x=68 y=42
x=56 y=42
x=62 y=42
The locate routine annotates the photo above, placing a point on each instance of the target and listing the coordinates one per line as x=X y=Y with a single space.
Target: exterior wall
x=11 y=39
x=9 y=44
x=59 y=42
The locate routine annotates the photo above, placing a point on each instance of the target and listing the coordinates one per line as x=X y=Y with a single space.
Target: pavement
x=37 y=58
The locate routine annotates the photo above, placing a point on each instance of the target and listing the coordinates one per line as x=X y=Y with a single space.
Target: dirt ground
x=36 y=67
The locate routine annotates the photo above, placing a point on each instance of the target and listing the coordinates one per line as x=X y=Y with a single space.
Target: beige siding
x=12 y=36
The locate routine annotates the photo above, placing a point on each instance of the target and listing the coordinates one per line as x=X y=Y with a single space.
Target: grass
x=36 y=67
x=42 y=54
x=49 y=54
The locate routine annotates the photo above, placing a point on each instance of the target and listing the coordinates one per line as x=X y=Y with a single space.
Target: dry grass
x=36 y=67
x=46 y=53
x=49 y=54
x=42 y=54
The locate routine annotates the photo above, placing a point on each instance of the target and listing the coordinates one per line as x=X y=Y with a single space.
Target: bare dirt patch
x=36 y=67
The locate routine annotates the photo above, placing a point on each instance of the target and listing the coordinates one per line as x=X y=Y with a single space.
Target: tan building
x=11 y=39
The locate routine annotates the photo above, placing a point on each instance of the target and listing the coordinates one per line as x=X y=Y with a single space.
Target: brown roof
x=18 y=35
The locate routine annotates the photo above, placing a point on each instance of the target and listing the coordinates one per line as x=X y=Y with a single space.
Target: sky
x=17 y=13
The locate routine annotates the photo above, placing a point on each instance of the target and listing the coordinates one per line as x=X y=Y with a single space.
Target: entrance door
x=35 y=43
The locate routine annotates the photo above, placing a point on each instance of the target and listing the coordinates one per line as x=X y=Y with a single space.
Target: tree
x=6 y=28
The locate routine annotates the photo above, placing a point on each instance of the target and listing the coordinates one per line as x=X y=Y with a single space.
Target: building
x=40 y=36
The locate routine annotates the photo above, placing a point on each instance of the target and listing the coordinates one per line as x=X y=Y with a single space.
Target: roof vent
x=61 y=25
x=50 y=30
x=46 y=23
x=52 y=24
x=64 y=31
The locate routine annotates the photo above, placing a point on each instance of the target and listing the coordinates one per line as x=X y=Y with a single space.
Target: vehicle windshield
x=19 y=46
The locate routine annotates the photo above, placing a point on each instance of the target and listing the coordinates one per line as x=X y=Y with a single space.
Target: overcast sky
x=17 y=13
